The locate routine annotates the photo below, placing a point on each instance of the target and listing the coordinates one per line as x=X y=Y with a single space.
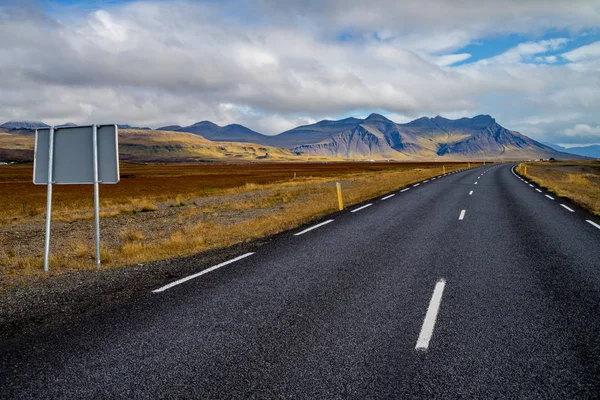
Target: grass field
x=164 y=210
x=576 y=180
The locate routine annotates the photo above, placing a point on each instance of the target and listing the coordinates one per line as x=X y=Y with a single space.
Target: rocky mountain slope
x=377 y=137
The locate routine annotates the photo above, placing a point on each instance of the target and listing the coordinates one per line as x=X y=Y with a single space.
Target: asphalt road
x=350 y=310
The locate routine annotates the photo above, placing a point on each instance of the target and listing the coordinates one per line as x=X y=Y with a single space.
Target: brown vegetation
x=576 y=180
x=162 y=211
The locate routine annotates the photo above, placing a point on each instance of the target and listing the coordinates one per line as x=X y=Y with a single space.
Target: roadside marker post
x=444 y=169
x=339 y=195
x=75 y=155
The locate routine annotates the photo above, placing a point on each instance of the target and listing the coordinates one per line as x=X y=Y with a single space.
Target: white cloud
x=583 y=130
x=525 y=51
x=584 y=53
x=450 y=59
x=548 y=119
x=272 y=65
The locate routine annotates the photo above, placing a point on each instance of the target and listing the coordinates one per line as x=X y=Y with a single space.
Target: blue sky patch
x=494 y=46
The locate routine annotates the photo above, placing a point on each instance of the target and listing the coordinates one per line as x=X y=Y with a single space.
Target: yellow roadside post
x=339 y=194
x=469 y=165
x=444 y=167
x=525 y=171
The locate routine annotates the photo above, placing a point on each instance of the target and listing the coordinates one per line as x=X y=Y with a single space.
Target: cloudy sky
x=273 y=64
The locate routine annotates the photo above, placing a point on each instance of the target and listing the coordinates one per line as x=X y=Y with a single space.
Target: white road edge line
x=462 y=215
x=387 y=197
x=470 y=193
x=426 y=181
x=362 y=208
x=592 y=223
x=431 y=316
x=206 y=271
x=570 y=209
x=404 y=190
x=531 y=185
x=313 y=227
x=550 y=197
x=539 y=190
x=416 y=184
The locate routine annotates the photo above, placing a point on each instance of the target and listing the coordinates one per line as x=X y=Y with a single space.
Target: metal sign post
x=96 y=193
x=76 y=155
x=49 y=197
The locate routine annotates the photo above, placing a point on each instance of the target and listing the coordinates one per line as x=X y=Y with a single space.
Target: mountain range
x=592 y=151
x=377 y=137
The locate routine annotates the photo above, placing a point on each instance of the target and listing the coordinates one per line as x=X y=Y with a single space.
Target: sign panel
x=73 y=161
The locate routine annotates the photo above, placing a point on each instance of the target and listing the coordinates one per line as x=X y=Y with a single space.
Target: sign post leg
x=96 y=194
x=49 y=199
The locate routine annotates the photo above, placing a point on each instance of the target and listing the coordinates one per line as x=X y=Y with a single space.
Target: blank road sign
x=73 y=161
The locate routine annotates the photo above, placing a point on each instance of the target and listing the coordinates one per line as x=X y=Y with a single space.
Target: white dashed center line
x=387 y=197
x=539 y=190
x=562 y=205
x=417 y=184
x=470 y=193
x=550 y=197
x=431 y=316
x=476 y=183
x=404 y=190
x=362 y=208
x=462 y=215
x=531 y=185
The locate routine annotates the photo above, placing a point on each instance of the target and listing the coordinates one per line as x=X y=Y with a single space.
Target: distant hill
x=152 y=146
x=592 y=151
x=169 y=128
x=229 y=133
x=23 y=125
x=159 y=146
x=125 y=126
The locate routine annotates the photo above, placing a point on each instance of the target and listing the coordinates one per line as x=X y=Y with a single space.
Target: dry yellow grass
x=231 y=215
x=578 y=181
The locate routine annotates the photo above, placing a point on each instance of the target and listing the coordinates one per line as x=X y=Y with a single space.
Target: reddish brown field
x=163 y=182
x=160 y=211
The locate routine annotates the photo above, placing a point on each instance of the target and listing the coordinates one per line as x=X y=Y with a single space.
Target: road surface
x=476 y=284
